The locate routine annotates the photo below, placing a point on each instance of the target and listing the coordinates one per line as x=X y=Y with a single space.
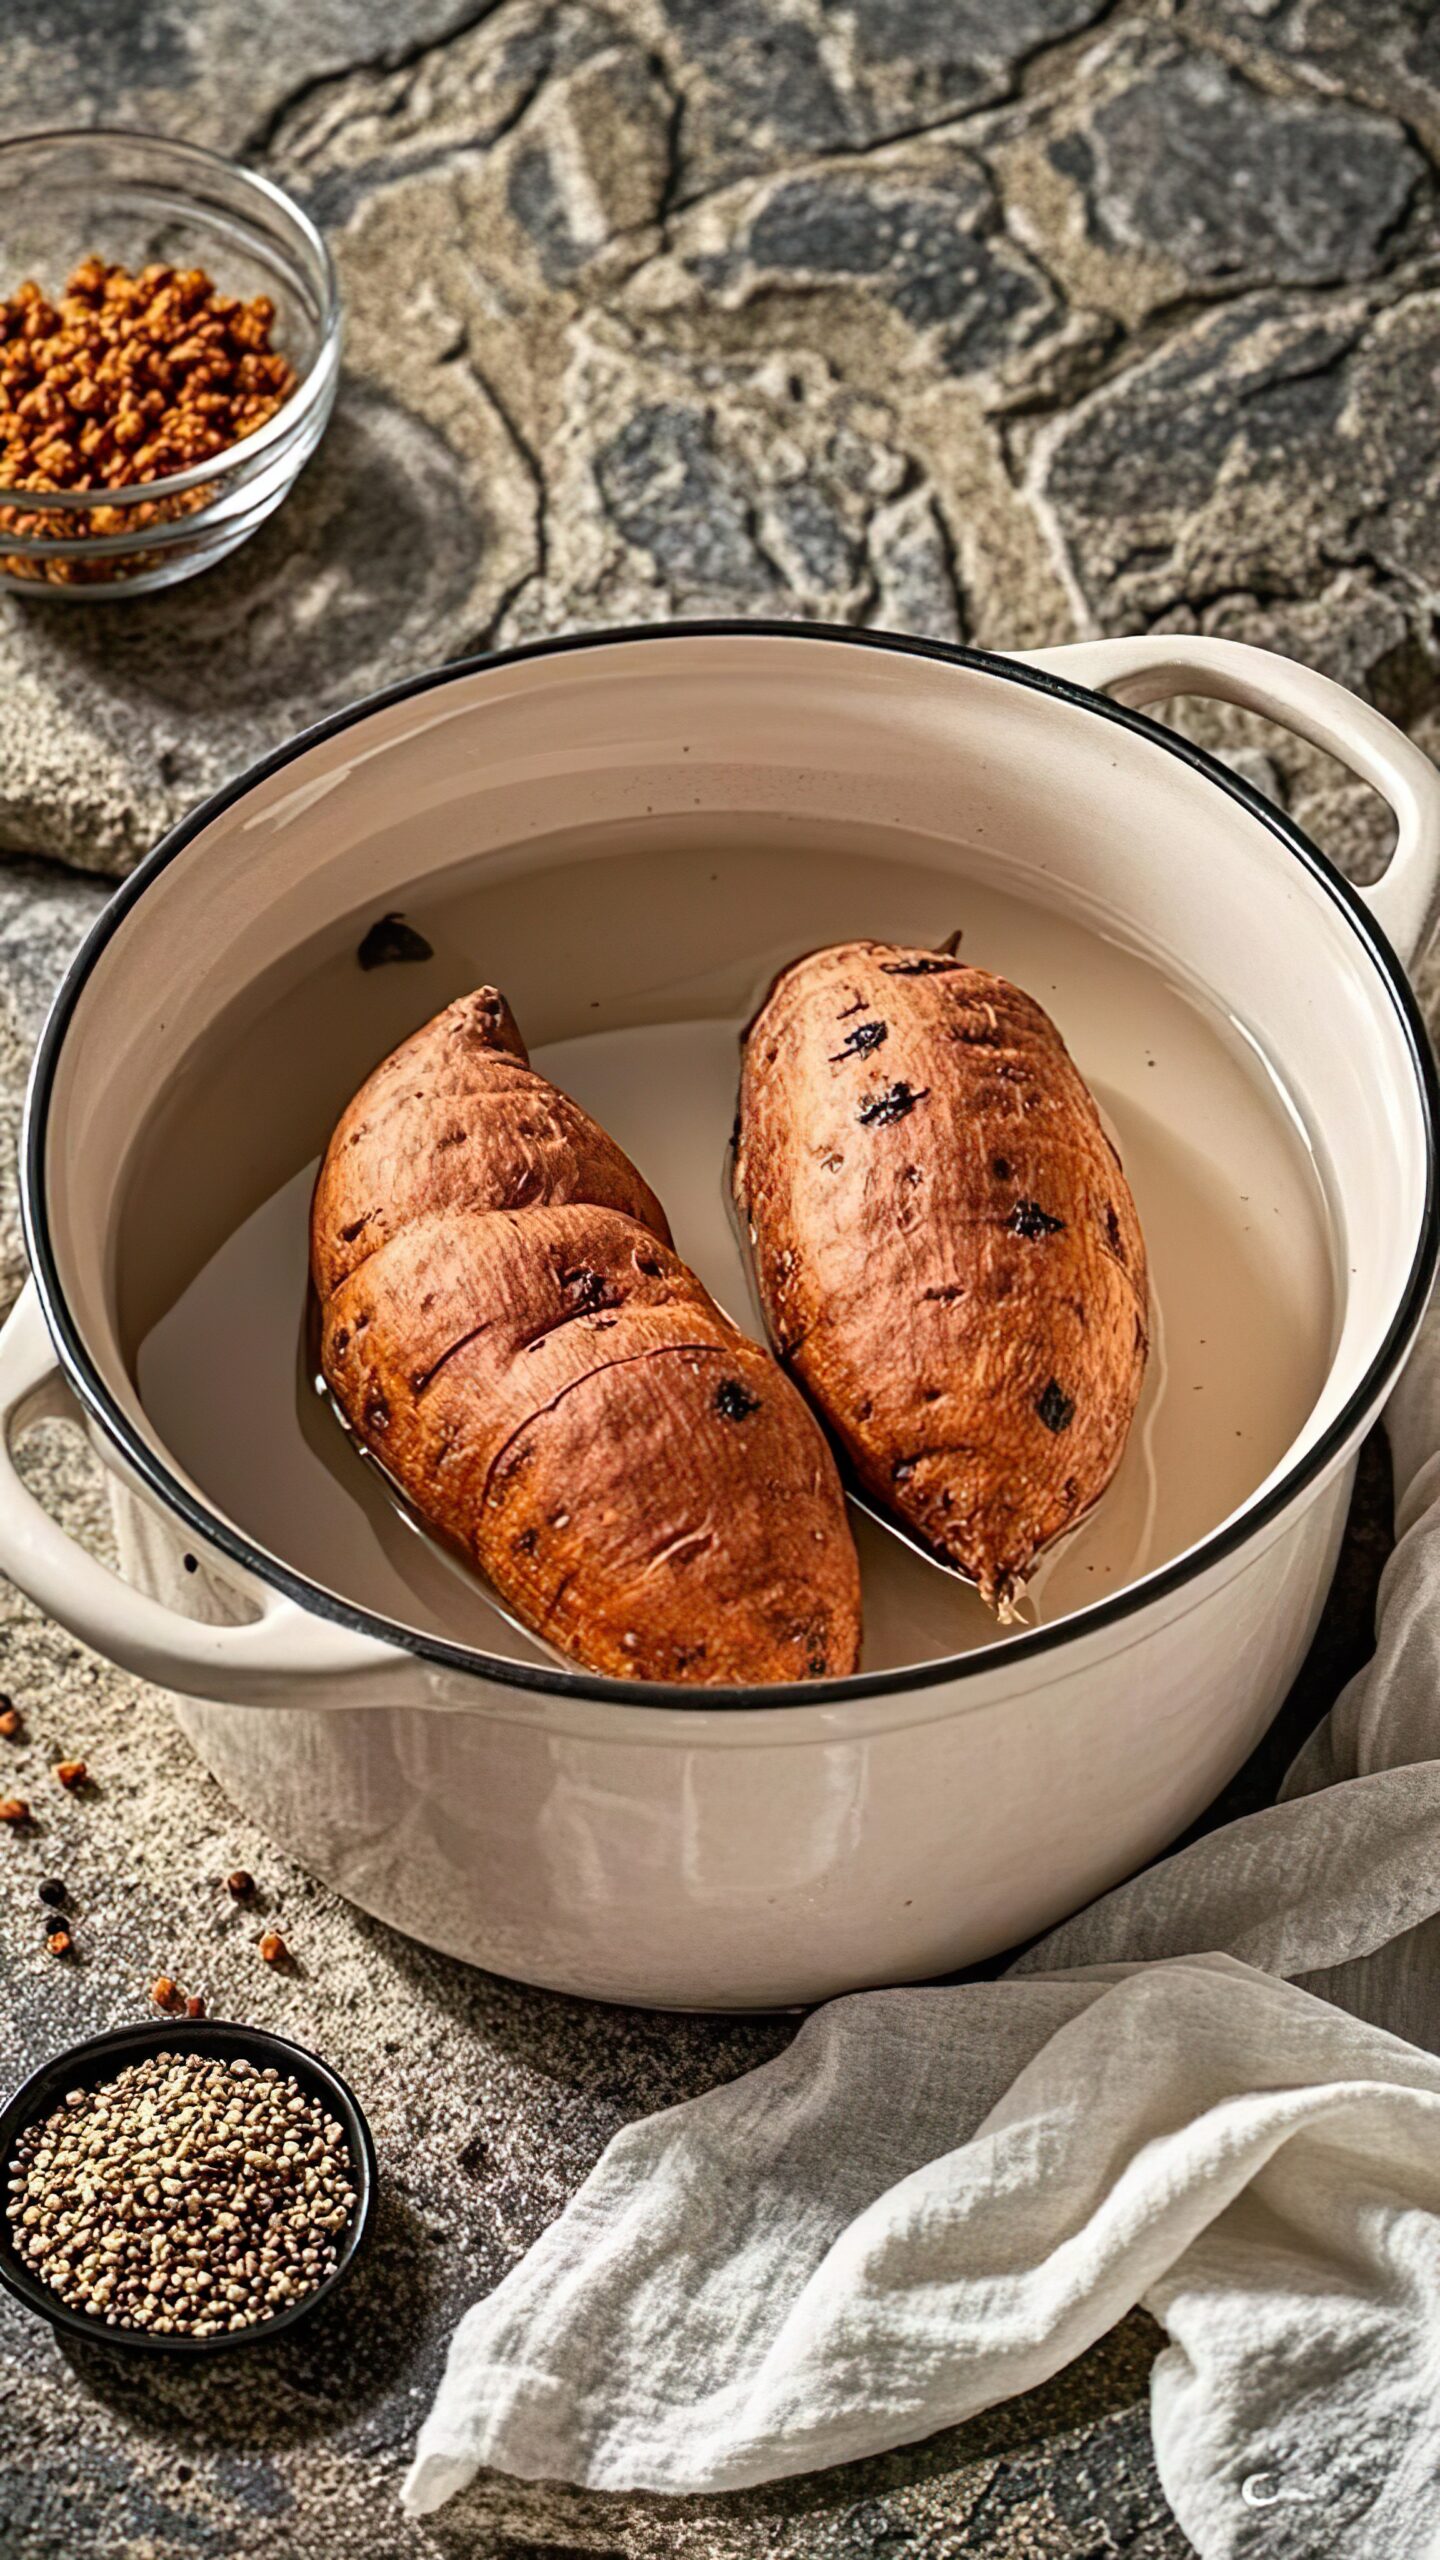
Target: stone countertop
x=1002 y=323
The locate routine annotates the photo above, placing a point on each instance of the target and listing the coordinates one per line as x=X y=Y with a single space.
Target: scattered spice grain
x=71 y=1773
x=165 y=1993
x=9 y=1720
x=59 y=1942
x=14 y=1810
x=273 y=1948
x=195 y=2005
x=240 y=1884
x=189 y=2196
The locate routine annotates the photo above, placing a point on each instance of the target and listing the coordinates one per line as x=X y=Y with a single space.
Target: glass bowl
x=134 y=199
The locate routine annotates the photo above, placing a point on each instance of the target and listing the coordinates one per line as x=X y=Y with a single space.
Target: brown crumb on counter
x=195 y=2005
x=71 y=1773
x=273 y=1948
x=166 y=1994
x=60 y=1942
x=14 y=1810
x=241 y=1884
x=9 y=1719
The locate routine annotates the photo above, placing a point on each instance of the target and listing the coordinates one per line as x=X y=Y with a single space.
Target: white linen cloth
x=1214 y=2093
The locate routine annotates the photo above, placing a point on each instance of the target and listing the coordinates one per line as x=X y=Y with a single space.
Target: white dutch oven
x=636 y=1843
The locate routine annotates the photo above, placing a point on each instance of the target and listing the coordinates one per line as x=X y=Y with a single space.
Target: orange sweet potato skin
x=457 y=1117
x=553 y=1390
x=946 y=1248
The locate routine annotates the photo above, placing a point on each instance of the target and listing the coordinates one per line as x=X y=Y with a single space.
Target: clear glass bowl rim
x=248 y=450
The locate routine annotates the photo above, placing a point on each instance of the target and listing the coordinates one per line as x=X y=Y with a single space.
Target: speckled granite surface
x=1002 y=322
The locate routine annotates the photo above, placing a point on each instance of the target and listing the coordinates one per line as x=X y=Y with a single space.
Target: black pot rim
x=98 y=2058
x=951 y=1671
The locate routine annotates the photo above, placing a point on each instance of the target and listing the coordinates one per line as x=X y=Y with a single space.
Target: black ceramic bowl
x=85 y=2066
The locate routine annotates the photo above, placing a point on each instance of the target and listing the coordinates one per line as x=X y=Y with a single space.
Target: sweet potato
x=457 y=1117
x=946 y=1248
x=506 y=1327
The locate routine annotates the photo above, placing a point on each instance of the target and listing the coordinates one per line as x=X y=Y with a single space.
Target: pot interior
x=631 y=839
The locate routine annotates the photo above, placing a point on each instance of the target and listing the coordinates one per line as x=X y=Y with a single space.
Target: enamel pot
x=701 y=1848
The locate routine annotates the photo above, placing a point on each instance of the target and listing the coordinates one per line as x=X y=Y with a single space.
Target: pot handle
x=1160 y=664
x=283 y=1656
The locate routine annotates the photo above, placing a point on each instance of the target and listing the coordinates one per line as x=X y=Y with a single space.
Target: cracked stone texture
x=1000 y=323
x=1005 y=324
x=1388 y=55
x=1177 y=157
